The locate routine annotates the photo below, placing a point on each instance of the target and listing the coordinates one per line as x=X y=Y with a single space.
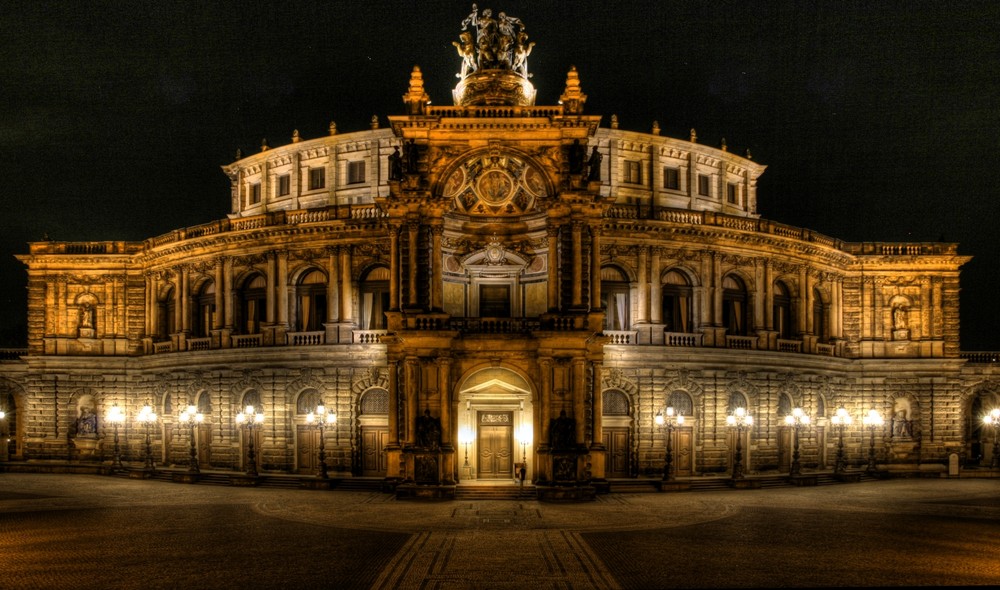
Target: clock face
x=495 y=184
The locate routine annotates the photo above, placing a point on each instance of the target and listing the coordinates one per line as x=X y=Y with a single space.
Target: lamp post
x=147 y=418
x=6 y=442
x=465 y=438
x=739 y=420
x=250 y=419
x=992 y=420
x=524 y=435
x=669 y=419
x=841 y=420
x=871 y=421
x=116 y=417
x=319 y=418
x=797 y=419
x=192 y=418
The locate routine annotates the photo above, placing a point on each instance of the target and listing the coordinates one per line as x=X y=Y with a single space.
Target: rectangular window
x=731 y=192
x=356 y=172
x=255 y=193
x=284 y=185
x=633 y=172
x=672 y=178
x=317 y=178
x=703 y=186
x=494 y=301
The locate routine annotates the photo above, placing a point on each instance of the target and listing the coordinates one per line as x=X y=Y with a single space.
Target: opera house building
x=459 y=292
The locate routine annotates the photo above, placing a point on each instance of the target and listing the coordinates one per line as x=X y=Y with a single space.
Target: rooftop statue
x=501 y=43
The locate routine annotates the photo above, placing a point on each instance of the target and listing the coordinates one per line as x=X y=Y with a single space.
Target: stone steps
x=498 y=492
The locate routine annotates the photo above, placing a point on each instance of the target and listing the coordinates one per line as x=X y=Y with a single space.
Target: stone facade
x=494 y=282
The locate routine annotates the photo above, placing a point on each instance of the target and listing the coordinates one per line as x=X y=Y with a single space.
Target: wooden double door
x=495 y=444
x=373 y=458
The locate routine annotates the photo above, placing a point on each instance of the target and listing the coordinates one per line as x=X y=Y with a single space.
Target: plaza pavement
x=95 y=532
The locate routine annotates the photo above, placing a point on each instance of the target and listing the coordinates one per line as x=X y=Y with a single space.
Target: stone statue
x=395 y=165
x=521 y=52
x=899 y=318
x=562 y=432
x=500 y=42
x=86 y=424
x=428 y=431
x=467 y=51
x=576 y=155
x=87 y=316
x=594 y=165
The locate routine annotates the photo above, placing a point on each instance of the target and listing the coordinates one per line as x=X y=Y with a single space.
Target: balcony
x=306 y=338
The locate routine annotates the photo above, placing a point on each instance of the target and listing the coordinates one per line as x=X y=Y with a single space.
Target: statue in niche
x=395 y=165
x=86 y=424
x=899 y=320
x=428 y=431
x=410 y=157
x=594 y=166
x=87 y=320
x=901 y=427
x=562 y=432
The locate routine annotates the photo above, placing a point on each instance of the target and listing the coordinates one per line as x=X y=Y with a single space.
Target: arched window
x=205 y=404
x=252 y=301
x=165 y=320
x=681 y=402
x=784 y=406
x=204 y=310
x=782 y=310
x=736 y=400
x=307 y=402
x=311 y=299
x=614 y=298
x=374 y=302
x=374 y=402
x=821 y=326
x=734 y=306
x=615 y=403
x=676 y=303
x=251 y=398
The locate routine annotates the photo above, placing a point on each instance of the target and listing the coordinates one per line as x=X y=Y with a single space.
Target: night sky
x=878 y=121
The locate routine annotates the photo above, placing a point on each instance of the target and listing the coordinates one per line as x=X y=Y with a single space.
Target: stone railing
x=493 y=112
x=367 y=336
x=248 y=340
x=825 y=349
x=789 y=345
x=980 y=357
x=199 y=343
x=741 y=342
x=306 y=338
x=621 y=336
x=161 y=347
x=494 y=325
x=12 y=354
x=682 y=339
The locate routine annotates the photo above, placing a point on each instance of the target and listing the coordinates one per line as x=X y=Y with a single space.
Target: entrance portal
x=496 y=432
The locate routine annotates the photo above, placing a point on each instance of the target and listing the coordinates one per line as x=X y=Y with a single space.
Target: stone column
x=642 y=315
x=185 y=298
x=393 y=403
x=414 y=233
x=716 y=290
x=579 y=393
x=282 y=288
x=803 y=300
x=394 y=267
x=553 y=263
x=220 y=301
x=655 y=289
x=768 y=295
x=577 y=263
x=345 y=285
x=412 y=406
x=332 y=292
x=598 y=407
x=545 y=413
x=227 y=286
x=151 y=310
x=437 y=278
x=270 y=287
x=444 y=389
x=595 y=267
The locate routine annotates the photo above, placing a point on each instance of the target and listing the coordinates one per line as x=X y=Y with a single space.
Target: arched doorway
x=616 y=430
x=496 y=424
x=373 y=420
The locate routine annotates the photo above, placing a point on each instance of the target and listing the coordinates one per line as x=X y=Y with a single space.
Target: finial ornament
x=416 y=98
x=374 y=121
x=333 y=127
x=263 y=145
x=614 y=121
x=724 y=147
x=749 y=155
x=295 y=136
x=239 y=154
x=573 y=97
x=656 y=127
x=694 y=136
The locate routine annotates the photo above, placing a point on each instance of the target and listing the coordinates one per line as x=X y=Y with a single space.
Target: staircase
x=495 y=492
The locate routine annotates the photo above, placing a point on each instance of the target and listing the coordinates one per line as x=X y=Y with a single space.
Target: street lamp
x=739 y=420
x=671 y=419
x=797 y=419
x=465 y=438
x=871 y=421
x=192 y=418
x=524 y=436
x=6 y=439
x=992 y=420
x=841 y=420
x=250 y=419
x=147 y=418
x=115 y=417
x=320 y=418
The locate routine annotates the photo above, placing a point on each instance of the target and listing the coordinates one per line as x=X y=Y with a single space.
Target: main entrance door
x=617 y=445
x=373 y=442
x=308 y=449
x=496 y=433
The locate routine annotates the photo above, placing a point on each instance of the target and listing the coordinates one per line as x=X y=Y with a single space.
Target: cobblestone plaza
x=59 y=531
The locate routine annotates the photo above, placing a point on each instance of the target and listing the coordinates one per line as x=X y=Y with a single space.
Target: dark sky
x=878 y=121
